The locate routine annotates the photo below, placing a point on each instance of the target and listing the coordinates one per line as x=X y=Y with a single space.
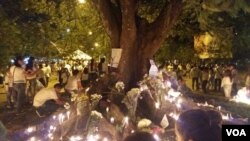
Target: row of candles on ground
x=173 y=97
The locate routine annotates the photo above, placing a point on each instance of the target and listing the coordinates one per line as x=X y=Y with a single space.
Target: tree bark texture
x=138 y=38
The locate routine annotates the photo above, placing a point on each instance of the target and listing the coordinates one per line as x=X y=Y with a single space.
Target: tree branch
x=109 y=20
x=164 y=22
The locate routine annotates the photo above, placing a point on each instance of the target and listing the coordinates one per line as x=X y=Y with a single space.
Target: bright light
x=96 y=45
x=105 y=139
x=93 y=137
x=50 y=135
x=179 y=102
x=75 y=138
x=173 y=93
x=61 y=118
x=157 y=138
x=68 y=114
x=157 y=105
x=33 y=139
x=82 y=1
x=68 y=29
x=225 y=117
x=26 y=60
x=125 y=121
x=112 y=119
x=87 y=89
x=90 y=33
x=242 y=96
x=54 y=117
x=107 y=109
x=31 y=129
x=174 y=116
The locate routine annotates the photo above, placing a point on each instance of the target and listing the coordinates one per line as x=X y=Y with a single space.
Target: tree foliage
x=47 y=28
x=50 y=28
x=226 y=20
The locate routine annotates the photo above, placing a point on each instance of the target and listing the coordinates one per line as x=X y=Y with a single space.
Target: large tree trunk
x=138 y=39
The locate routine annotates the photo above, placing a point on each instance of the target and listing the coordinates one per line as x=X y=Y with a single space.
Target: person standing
x=194 y=74
x=234 y=74
x=9 y=89
x=102 y=67
x=85 y=77
x=227 y=83
x=31 y=71
x=204 y=79
x=47 y=73
x=73 y=83
x=18 y=76
x=217 y=78
x=41 y=75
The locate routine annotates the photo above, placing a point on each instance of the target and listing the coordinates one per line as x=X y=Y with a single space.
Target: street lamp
x=82 y=1
x=90 y=32
x=96 y=45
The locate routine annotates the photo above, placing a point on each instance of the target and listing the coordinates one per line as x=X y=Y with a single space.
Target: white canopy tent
x=78 y=54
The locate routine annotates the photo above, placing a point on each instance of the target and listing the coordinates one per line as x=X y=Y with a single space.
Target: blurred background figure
x=198 y=125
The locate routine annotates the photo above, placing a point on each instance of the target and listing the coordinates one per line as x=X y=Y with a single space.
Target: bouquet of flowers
x=81 y=102
x=120 y=86
x=95 y=98
x=96 y=115
x=130 y=100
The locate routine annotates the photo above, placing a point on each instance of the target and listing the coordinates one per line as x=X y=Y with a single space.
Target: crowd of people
x=210 y=77
x=27 y=82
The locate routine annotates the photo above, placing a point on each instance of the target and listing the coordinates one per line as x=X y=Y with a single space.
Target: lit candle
x=54 y=117
x=112 y=120
x=157 y=105
x=107 y=109
x=156 y=137
x=125 y=121
x=30 y=129
x=75 y=138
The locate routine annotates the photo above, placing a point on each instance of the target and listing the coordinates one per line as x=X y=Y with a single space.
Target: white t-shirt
x=226 y=81
x=18 y=74
x=44 y=95
x=40 y=74
x=72 y=83
x=47 y=71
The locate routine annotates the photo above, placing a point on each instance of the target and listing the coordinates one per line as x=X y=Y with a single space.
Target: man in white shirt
x=46 y=101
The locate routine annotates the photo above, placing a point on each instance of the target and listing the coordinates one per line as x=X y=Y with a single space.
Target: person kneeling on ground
x=46 y=101
x=198 y=125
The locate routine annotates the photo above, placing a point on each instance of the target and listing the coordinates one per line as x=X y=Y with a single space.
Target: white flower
x=97 y=114
x=74 y=97
x=133 y=92
x=95 y=97
x=120 y=85
x=143 y=123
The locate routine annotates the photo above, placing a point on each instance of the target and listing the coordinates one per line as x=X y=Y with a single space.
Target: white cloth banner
x=116 y=56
